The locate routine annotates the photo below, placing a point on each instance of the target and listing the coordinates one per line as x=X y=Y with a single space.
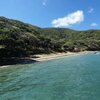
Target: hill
x=19 y=39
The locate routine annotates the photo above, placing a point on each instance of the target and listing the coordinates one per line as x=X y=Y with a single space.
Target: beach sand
x=44 y=57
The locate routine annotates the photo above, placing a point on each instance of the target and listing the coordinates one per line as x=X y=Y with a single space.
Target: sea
x=68 y=78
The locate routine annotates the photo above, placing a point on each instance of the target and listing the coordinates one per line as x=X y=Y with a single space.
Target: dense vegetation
x=21 y=39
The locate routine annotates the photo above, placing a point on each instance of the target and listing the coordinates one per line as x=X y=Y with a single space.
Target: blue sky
x=75 y=14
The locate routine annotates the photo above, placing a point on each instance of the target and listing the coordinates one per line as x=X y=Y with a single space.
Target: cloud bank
x=44 y=3
x=91 y=10
x=70 y=19
x=94 y=24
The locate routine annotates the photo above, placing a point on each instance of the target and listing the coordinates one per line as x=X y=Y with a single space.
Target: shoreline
x=45 y=57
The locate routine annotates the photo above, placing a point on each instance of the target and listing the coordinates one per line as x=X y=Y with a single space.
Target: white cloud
x=70 y=19
x=91 y=10
x=94 y=24
x=44 y=2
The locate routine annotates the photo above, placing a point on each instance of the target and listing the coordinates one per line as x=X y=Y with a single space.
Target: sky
x=74 y=14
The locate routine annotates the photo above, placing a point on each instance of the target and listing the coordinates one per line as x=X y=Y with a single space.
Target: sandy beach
x=44 y=57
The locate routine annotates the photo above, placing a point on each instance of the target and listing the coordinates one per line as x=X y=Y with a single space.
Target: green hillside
x=71 y=39
x=19 y=39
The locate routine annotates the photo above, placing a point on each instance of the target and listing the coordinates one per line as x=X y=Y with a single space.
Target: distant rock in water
x=97 y=53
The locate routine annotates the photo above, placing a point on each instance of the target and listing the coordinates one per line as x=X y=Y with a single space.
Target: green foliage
x=21 y=39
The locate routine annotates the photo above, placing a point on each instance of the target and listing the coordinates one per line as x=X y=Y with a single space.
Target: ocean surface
x=68 y=78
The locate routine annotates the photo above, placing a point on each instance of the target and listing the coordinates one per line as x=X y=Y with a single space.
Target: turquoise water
x=68 y=78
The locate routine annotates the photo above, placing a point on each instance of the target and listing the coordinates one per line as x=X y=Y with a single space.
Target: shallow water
x=68 y=78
